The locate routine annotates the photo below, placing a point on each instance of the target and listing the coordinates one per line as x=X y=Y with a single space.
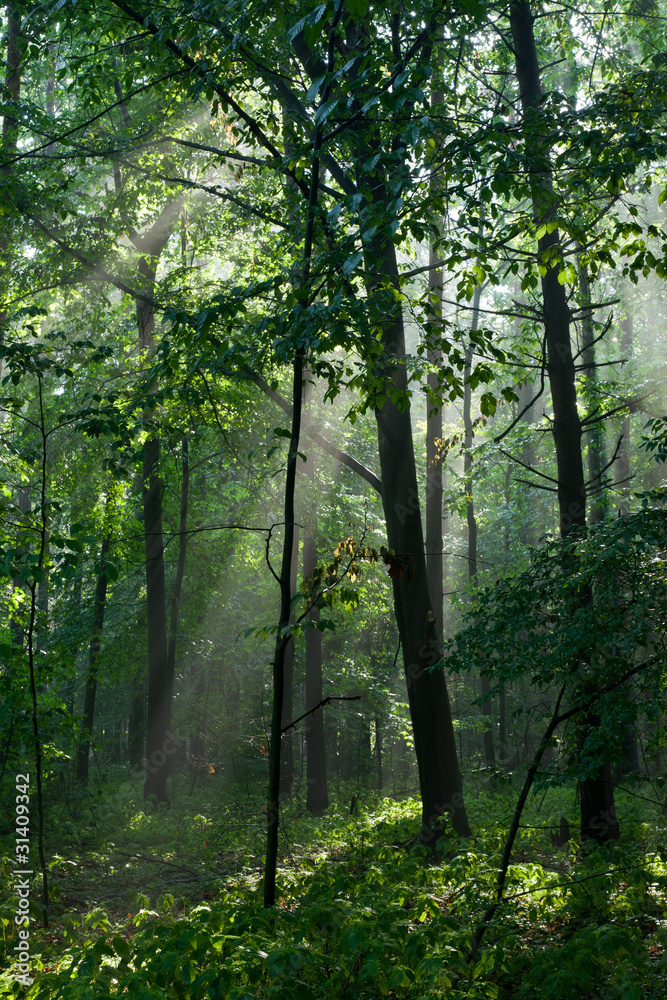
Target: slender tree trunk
x=160 y=678
x=182 y=550
x=378 y=750
x=598 y=817
x=434 y=473
x=287 y=749
x=42 y=624
x=489 y=753
x=622 y=475
x=136 y=725
x=99 y=607
x=502 y=726
x=283 y=637
x=282 y=641
x=16 y=623
x=596 y=456
x=317 y=794
x=160 y=668
x=622 y=468
x=197 y=745
x=434 y=416
x=9 y=147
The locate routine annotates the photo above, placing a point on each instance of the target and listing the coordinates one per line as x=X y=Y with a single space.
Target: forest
x=333 y=538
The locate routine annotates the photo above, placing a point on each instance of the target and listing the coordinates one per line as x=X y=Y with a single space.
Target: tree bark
x=597 y=795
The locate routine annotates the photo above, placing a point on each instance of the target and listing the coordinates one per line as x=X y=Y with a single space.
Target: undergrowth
x=166 y=903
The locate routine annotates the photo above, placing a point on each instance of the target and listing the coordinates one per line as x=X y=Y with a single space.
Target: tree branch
x=331 y=449
x=320 y=704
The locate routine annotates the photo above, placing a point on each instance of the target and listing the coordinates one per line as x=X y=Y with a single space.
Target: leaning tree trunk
x=598 y=817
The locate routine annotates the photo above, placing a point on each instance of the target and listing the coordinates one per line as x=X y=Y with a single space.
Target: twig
x=537 y=486
x=321 y=704
x=528 y=467
x=498 y=439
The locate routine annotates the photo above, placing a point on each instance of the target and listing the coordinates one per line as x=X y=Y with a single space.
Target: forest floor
x=166 y=902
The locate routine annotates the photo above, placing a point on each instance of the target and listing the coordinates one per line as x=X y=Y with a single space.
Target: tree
x=597 y=793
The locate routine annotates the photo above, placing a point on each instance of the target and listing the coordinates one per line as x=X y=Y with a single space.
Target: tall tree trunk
x=182 y=550
x=378 y=750
x=9 y=146
x=596 y=456
x=434 y=473
x=16 y=623
x=99 y=607
x=434 y=416
x=622 y=464
x=160 y=678
x=287 y=749
x=282 y=640
x=440 y=782
x=598 y=817
x=489 y=753
x=317 y=794
x=160 y=669
x=503 y=749
x=42 y=624
x=136 y=725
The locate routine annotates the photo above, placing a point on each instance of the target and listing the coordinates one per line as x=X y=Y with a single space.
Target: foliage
x=365 y=910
